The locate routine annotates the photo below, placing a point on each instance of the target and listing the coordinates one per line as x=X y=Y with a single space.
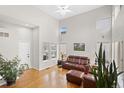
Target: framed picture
x=79 y=46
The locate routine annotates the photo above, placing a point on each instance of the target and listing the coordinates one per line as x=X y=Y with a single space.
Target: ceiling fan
x=63 y=10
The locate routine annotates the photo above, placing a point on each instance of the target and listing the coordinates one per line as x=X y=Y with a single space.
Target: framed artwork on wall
x=79 y=46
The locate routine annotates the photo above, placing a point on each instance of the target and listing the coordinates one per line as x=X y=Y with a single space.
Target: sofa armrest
x=62 y=62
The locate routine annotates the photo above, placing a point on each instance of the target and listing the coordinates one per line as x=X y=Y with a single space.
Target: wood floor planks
x=53 y=77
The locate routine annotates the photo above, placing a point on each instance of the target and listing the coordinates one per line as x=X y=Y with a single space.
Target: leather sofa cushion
x=78 y=60
x=83 y=61
x=89 y=81
x=75 y=66
x=74 y=76
x=76 y=73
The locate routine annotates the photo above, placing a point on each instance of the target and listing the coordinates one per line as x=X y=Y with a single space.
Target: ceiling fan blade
x=68 y=11
x=63 y=9
x=66 y=6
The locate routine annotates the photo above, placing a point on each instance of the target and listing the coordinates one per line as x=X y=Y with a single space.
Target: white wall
x=118 y=29
x=9 y=46
x=48 y=26
x=35 y=48
x=82 y=29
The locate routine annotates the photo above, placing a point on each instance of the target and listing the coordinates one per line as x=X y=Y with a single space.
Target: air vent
x=4 y=34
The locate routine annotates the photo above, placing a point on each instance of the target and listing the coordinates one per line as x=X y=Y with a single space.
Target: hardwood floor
x=53 y=77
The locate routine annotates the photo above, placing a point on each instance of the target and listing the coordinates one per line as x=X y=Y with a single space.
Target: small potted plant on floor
x=10 y=69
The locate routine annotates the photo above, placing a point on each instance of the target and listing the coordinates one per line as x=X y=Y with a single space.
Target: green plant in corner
x=105 y=75
x=10 y=69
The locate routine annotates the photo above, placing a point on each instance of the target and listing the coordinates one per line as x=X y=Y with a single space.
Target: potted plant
x=62 y=56
x=10 y=69
x=106 y=76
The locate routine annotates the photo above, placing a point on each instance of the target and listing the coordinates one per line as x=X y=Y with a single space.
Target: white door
x=24 y=53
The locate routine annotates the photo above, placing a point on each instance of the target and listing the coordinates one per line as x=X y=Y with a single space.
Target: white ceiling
x=7 y=21
x=76 y=9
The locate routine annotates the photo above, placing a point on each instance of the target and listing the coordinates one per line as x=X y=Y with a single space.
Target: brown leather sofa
x=79 y=63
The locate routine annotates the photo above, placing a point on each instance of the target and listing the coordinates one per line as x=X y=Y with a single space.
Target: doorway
x=24 y=53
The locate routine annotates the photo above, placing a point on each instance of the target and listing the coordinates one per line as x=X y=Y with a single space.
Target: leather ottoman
x=88 y=81
x=74 y=76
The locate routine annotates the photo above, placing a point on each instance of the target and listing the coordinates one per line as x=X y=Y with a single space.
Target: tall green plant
x=105 y=75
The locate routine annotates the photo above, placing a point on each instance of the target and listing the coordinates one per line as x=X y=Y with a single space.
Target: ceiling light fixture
x=63 y=9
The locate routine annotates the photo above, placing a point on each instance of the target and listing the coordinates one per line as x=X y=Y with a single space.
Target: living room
x=46 y=39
